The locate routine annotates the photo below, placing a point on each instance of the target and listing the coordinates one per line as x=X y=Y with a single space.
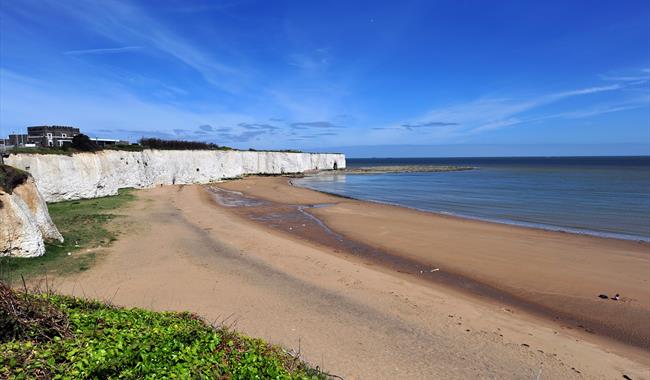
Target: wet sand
x=352 y=316
x=553 y=274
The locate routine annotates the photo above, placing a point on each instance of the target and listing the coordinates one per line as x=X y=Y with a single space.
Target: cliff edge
x=91 y=175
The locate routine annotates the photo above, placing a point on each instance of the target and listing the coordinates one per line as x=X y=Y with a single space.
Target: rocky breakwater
x=24 y=220
x=91 y=175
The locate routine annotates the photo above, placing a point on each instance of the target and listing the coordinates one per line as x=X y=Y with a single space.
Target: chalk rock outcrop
x=25 y=222
x=90 y=175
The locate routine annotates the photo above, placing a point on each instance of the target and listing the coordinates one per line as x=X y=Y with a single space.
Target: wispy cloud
x=314 y=124
x=123 y=49
x=489 y=114
x=209 y=7
x=259 y=126
x=581 y=91
x=125 y=23
x=601 y=109
x=106 y=107
x=137 y=133
x=642 y=75
x=245 y=136
x=496 y=125
x=428 y=124
x=317 y=59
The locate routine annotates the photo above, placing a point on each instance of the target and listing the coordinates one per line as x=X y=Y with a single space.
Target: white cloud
x=103 y=50
x=126 y=24
x=489 y=114
x=496 y=125
x=640 y=76
x=102 y=106
x=582 y=91
x=601 y=109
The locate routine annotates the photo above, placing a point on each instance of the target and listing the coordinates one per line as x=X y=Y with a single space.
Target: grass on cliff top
x=40 y=151
x=68 y=151
x=10 y=178
x=84 y=226
x=47 y=336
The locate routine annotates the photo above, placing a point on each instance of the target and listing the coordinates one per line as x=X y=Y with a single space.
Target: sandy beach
x=353 y=285
x=562 y=274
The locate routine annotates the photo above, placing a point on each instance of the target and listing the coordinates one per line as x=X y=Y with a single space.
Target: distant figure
x=336 y=166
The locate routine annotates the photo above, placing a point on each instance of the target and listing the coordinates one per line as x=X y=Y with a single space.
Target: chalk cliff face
x=25 y=222
x=90 y=175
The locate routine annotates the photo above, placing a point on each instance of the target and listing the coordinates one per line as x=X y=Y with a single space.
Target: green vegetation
x=68 y=151
x=40 y=150
x=83 y=143
x=144 y=143
x=10 y=178
x=153 y=143
x=279 y=151
x=51 y=336
x=125 y=147
x=83 y=224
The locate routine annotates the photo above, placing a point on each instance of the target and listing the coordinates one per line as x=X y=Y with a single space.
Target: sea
x=601 y=196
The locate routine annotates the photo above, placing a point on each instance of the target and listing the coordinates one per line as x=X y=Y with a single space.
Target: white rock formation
x=25 y=222
x=38 y=208
x=90 y=175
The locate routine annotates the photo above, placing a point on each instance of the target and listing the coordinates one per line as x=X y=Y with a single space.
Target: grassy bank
x=84 y=226
x=49 y=336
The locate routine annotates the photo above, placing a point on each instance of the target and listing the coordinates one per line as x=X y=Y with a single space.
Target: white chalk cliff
x=91 y=175
x=25 y=222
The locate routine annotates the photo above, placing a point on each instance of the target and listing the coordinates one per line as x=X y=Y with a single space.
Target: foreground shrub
x=110 y=342
x=29 y=317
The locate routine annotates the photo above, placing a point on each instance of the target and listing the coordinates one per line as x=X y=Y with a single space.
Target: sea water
x=603 y=196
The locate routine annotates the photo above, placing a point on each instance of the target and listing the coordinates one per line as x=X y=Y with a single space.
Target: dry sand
x=353 y=317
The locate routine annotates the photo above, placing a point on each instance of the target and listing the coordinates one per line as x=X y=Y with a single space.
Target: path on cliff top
x=184 y=252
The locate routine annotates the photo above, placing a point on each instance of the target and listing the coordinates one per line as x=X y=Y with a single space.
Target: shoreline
x=507 y=222
x=548 y=306
x=397 y=169
x=185 y=252
x=413 y=270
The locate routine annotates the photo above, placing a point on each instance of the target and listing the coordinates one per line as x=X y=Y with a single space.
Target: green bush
x=153 y=143
x=110 y=342
x=83 y=143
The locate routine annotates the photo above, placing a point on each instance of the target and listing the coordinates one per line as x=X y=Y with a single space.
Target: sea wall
x=91 y=175
x=25 y=222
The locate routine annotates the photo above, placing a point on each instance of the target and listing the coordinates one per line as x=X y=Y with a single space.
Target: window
x=63 y=135
x=49 y=136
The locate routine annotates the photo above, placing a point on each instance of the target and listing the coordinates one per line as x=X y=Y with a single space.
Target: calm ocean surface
x=604 y=196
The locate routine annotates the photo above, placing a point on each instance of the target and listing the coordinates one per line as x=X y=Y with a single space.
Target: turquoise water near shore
x=603 y=196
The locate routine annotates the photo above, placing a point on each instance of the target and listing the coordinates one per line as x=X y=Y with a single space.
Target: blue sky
x=362 y=77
